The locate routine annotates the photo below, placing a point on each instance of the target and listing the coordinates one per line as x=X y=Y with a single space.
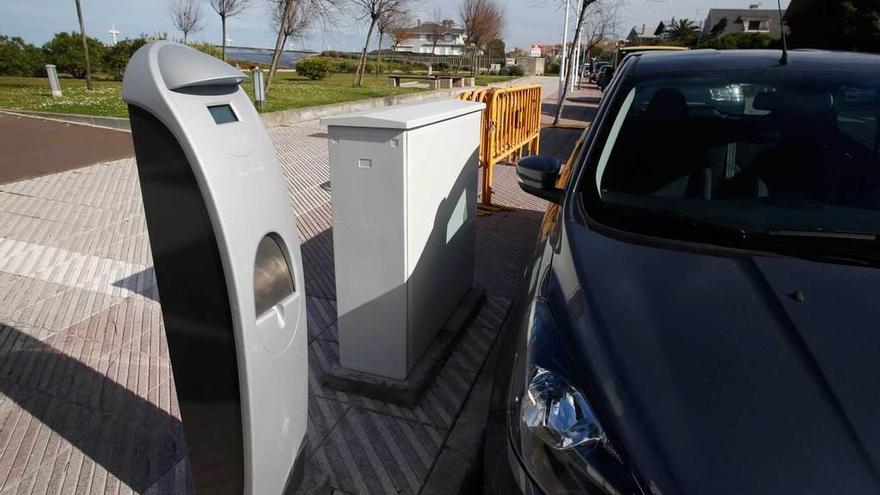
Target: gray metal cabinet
x=404 y=182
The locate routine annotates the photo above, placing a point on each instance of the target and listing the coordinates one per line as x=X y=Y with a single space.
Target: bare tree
x=82 y=34
x=482 y=21
x=187 y=16
x=436 y=29
x=399 y=34
x=602 y=21
x=387 y=24
x=582 y=12
x=291 y=19
x=226 y=9
x=372 y=9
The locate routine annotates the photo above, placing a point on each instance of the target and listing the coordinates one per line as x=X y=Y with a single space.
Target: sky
x=526 y=21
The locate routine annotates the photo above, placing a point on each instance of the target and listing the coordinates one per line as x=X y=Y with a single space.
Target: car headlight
x=559 y=414
x=555 y=430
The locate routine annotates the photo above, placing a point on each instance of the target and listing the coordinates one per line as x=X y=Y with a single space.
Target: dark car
x=702 y=315
x=606 y=74
x=597 y=69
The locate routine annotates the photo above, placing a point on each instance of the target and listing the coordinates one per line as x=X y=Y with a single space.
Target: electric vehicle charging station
x=227 y=257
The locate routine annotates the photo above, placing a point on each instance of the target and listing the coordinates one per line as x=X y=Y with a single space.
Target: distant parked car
x=604 y=77
x=701 y=313
x=597 y=68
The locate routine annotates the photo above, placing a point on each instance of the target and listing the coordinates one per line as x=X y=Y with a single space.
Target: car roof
x=728 y=60
x=649 y=48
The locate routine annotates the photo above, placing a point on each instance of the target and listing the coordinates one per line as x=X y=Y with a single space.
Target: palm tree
x=683 y=31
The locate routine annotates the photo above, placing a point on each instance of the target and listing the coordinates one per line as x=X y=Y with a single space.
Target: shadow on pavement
x=589 y=100
x=147 y=279
x=130 y=437
x=574 y=112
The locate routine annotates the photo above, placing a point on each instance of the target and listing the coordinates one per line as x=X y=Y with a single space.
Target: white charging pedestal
x=227 y=258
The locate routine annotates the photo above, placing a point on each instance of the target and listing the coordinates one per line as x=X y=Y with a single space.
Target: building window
x=757 y=26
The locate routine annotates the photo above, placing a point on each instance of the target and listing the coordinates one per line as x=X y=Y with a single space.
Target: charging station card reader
x=227 y=257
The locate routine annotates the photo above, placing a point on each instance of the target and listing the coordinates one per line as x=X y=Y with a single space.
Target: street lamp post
x=577 y=52
x=564 y=43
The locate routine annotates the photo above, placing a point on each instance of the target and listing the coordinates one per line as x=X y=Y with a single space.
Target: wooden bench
x=436 y=81
x=394 y=80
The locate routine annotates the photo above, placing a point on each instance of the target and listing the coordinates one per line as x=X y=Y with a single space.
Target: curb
x=270 y=119
x=504 y=84
x=284 y=117
x=115 y=123
x=459 y=466
x=273 y=119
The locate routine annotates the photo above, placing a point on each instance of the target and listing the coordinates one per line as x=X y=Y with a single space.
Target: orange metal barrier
x=511 y=124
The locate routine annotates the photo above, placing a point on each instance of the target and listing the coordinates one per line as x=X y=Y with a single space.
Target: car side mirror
x=537 y=175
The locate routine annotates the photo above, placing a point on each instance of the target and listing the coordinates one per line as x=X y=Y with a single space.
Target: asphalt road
x=31 y=147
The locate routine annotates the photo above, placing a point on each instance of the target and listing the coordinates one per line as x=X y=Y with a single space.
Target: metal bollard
x=259 y=88
x=54 y=84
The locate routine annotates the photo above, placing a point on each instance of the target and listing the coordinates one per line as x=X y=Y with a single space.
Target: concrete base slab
x=409 y=391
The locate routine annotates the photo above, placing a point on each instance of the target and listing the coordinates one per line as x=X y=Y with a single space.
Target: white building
x=443 y=39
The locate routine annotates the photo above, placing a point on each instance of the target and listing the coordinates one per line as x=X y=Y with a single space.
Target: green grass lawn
x=485 y=80
x=288 y=91
x=292 y=91
x=32 y=93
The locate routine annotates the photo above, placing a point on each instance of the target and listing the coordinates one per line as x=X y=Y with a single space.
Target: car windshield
x=777 y=152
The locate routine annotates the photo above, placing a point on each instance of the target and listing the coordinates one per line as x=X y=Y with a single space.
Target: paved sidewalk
x=580 y=108
x=88 y=402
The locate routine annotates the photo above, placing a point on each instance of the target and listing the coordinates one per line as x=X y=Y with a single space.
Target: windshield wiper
x=682 y=220
x=823 y=234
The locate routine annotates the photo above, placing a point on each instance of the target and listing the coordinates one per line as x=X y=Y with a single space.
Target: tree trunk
x=362 y=65
x=571 y=63
x=82 y=34
x=223 y=23
x=379 y=55
x=460 y=59
x=279 y=44
x=184 y=37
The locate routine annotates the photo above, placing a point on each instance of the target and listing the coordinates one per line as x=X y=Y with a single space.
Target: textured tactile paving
x=87 y=397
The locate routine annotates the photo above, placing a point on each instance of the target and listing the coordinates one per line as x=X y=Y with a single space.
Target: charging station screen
x=222 y=114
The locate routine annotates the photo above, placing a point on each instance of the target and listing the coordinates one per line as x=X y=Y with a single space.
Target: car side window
x=858 y=111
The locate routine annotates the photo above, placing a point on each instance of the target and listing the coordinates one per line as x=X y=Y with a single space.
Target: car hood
x=729 y=373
